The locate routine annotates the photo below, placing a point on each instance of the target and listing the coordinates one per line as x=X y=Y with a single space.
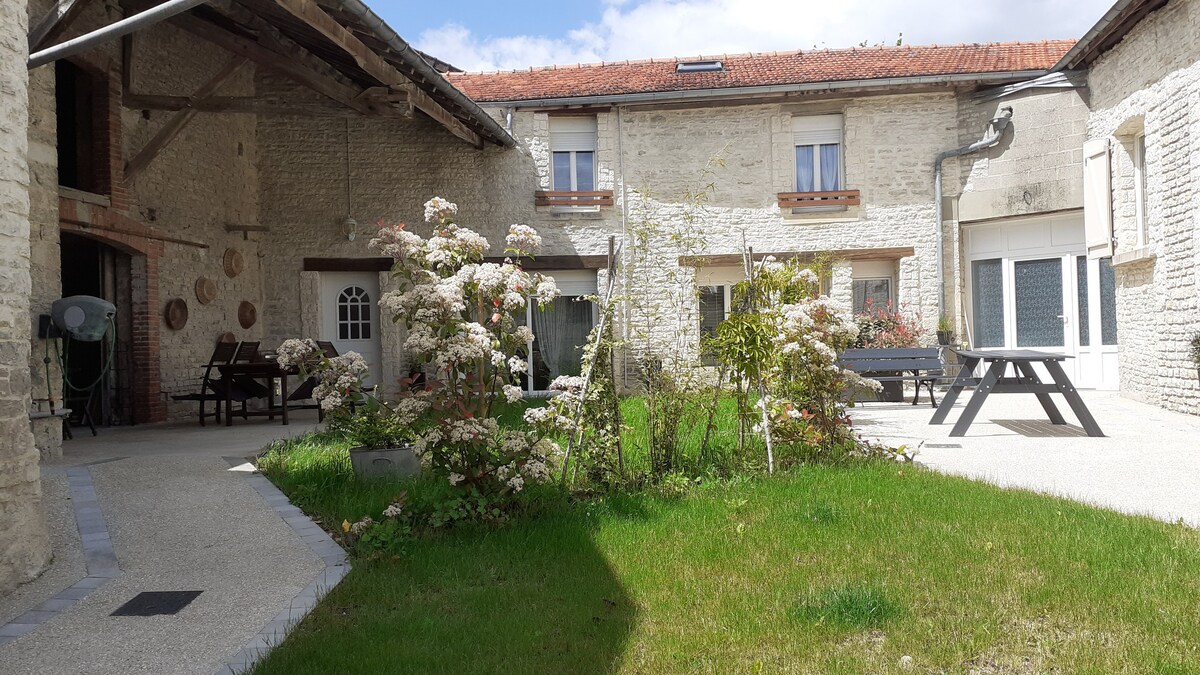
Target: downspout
x=996 y=129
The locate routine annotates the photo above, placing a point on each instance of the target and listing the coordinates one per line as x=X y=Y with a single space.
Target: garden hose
x=64 y=357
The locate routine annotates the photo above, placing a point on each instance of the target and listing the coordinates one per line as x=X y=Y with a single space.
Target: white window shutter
x=816 y=129
x=1097 y=198
x=573 y=134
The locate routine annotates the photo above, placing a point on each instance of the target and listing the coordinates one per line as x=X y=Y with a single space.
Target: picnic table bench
x=924 y=365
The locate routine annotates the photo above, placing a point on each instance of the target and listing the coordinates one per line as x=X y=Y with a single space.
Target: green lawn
x=827 y=570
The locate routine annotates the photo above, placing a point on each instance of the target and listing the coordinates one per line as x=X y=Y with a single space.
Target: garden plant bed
x=825 y=569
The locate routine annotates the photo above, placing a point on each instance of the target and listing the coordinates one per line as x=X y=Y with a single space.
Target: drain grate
x=942 y=445
x=154 y=603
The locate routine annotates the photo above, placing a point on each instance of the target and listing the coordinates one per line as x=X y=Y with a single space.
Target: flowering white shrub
x=296 y=354
x=339 y=379
x=461 y=315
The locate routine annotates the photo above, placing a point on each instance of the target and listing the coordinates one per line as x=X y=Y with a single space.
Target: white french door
x=1030 y=286
x=350 y=316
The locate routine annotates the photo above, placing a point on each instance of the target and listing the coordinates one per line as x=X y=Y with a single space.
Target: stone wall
x=653 y=157
x=24 y=544
x=1149 y=83
x=1035 y=168
x=170 y=219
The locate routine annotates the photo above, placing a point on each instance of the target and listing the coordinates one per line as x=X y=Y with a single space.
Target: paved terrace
x=1148 y=463
x=165 y=508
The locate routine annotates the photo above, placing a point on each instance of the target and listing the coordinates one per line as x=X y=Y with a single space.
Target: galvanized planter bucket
x=374 y=463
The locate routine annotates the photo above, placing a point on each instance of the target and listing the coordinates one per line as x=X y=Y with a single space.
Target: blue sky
x=518 y=34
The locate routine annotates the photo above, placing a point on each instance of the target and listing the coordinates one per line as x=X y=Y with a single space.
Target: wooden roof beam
x=173 y=126
x=53 y=23
x=292 y=67
x=374 y=65
x=250 y=105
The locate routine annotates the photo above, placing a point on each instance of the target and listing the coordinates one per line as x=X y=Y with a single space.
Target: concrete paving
x=1148 y=462
x=179 y=519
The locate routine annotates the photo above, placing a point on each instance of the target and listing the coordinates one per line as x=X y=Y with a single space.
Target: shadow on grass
x=535 y=598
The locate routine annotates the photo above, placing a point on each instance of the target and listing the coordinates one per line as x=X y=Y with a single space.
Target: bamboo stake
x=748 y=260
x=587 y=373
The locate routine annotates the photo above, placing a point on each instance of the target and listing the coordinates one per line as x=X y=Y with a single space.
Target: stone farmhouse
x=233 y=155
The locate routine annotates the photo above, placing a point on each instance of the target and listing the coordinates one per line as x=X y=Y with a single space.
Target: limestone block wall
x=43 y=234
x=650 y=158
x=205 y=179
x=24 y=544
x=1150 y=83
x=1037 y=167
x=171 y=217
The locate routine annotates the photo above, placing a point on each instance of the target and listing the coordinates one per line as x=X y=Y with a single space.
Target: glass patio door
x=1023 y=304
x=1064 y=304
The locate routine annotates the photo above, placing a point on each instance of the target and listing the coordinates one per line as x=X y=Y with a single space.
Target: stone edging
x=101 y=560
x=320 y=543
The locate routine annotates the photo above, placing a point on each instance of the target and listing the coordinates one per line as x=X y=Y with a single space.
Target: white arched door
x=350 y=315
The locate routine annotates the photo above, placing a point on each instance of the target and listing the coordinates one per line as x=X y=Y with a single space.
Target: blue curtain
x=804 y=168
x=830 y=172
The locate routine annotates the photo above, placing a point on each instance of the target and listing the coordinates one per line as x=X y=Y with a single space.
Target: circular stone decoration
x=227 y=337
x=176 y=313
x=247 y=314
x=233 y=262
x=206 y=290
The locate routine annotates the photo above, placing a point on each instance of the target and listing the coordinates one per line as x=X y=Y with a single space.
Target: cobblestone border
x=98 y=554
x=320 y=543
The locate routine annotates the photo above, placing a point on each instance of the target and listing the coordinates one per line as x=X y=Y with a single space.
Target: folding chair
x=212 y=389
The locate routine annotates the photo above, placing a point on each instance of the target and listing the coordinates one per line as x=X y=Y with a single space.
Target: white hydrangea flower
x=438 y=210
x=512 y=393
x=516 y=483
x=523 y=238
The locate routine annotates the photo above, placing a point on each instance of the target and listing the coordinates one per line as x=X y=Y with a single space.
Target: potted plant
x=945 y=331
x=381 y=436
x=379 y=443
x=886 y=328
x=1194 y=351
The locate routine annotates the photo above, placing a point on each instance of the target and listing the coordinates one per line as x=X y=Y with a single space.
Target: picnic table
x=1025 y=380
x=268 y=370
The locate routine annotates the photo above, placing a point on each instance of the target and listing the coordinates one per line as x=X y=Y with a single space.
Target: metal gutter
x=1063 y=79
x=995 y=131
x=399 y=48
x=1085 y=42
x=112 y=31
x=693 y=94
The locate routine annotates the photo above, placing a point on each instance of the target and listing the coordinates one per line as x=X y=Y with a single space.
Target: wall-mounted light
x=350 y=228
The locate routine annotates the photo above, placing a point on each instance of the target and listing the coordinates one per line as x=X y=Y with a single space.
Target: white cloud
x=634 y=29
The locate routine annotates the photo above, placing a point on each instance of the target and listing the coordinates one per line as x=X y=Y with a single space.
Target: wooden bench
x=924 y=364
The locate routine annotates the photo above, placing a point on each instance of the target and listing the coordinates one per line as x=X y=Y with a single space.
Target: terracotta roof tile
x=751 y=70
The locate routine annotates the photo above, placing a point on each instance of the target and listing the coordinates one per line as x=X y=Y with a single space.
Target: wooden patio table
x=268 y=370
x=1025 y=380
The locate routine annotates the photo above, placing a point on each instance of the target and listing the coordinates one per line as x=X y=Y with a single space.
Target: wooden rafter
x=374 y=65
x=249 y=105
x=291 y=66
x=173 y=126
x=53 y=24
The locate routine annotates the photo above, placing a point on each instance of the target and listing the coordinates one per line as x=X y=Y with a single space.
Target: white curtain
x=560 y=331
x=804 y=168
x=829 y=167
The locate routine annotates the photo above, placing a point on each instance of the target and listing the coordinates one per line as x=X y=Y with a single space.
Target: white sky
x=632 y=29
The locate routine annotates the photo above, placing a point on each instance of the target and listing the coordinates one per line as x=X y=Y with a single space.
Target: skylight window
x=699 y=67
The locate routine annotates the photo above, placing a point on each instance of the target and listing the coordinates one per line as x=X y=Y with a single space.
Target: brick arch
x=104 y=226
